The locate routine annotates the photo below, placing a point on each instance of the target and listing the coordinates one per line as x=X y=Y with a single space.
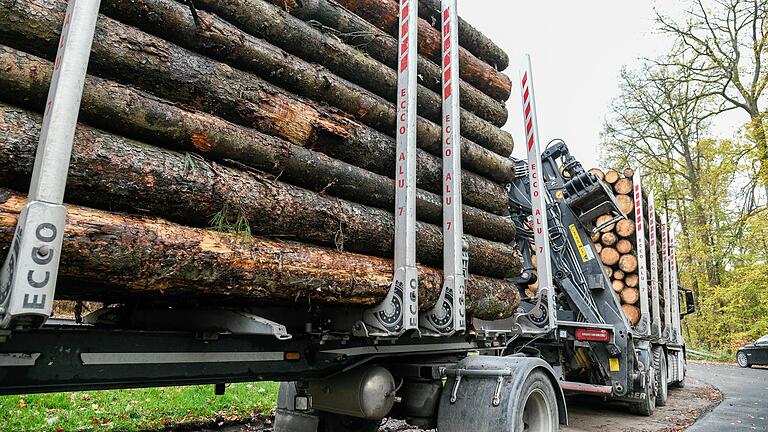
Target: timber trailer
x=345 y=369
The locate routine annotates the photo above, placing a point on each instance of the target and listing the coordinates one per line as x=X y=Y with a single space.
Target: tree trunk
x=623 y=186
x=603 y=219
x=618 y=275
x=384 y=14
x=628 y=263
x=625 y=204
x=624 y=246
x=222 y=41
x=135 y=114
x=135 y=58
x=598 y=173
x=108 y=170
x=364 y=36
x=632 y=280
x=115 y=257
x=609 y=256
x=609 y=239
x=625 y=228
x=617 y=285
x=632 y=313
x=611 y=176
x=469 y=37
x=630 y=295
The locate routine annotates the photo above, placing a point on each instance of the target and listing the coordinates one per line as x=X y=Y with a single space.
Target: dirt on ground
x=683 y=408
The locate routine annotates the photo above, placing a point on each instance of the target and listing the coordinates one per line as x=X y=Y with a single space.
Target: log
x=130 y=112
x=182 y=76
x=624 y=246
x=609 y=239
x=598 y=173
x=625 y=204
x=625 y=228
x=355 y=32
x=623 y=186
x=603 y=219
x=222 y=41
x=611 y=176
x=595 y=237
x=116 y=257
x=107 y=170
x=384 y=14
x=629 y=172
x=609 y=256
x=598 y=247
x=618 y=275
x=628 y=263
x=632 y=313
x=608 y=271
x=632 y=280
x=469 y=37
x=630 y=295
x=617 y=285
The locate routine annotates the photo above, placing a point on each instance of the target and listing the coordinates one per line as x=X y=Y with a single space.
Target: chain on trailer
x=28 y=276
x=538 y=195
x=448 y=316
x=399 y=312
x=643 y=328
x=654 y=257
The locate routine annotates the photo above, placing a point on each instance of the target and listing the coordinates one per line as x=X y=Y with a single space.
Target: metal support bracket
x=676 y=335
x=448 y=316
x=667 y=332
x=28 y=276
x=399 y=312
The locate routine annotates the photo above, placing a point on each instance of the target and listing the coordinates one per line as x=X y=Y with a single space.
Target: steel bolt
x=43 y=251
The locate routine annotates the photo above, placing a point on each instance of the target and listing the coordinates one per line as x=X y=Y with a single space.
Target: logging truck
x=345 y=367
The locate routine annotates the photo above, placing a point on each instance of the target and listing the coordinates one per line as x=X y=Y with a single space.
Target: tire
x=538 y=405
x=646 y=405
x=660 y=365
x=742 y=359
x=330 y=422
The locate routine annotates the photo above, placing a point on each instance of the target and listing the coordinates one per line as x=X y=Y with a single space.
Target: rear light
x=593 y=335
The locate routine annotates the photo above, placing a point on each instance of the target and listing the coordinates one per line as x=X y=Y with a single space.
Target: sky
x=577 y=50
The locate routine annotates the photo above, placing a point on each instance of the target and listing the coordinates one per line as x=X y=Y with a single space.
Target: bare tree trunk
x=133 y=57
x=114 y=172
x=24 y=80
x=116 y=257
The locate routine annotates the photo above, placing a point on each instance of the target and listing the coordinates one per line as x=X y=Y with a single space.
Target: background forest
x=713 y=190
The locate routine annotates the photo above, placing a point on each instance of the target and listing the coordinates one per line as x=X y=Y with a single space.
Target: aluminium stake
x=399 y=312
x=643 y=327
x=28 y=276
x=448 y=314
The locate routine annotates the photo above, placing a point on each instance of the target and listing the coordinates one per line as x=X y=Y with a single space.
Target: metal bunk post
x=643 y=327
x=399 y=312
x=539 y=194
x=654 y=257
x=28 y=276
x=448 y=315
x=677 y=336
x=667 y=332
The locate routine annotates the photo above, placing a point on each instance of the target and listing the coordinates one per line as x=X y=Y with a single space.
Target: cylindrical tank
x=366 y=392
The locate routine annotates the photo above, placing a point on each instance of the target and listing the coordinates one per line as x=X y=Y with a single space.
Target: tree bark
x=222 y=41
x=133 y=57
x=384 y=14
x=132 y=113
x=116 y=257
x=469 y=37
x=364 y=36
x=107 y=170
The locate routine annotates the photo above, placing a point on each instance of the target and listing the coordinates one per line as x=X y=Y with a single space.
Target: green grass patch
x=134 y=409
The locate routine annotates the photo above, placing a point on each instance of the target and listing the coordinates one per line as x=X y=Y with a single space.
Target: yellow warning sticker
x=585 y=254
x=613 y=363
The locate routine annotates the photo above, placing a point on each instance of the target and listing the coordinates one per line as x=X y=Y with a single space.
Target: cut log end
x=632 y=313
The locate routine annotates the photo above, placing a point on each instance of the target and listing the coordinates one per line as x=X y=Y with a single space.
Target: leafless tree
x=722 y=44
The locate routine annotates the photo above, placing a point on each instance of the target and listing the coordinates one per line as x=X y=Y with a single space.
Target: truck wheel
x=646 y=405
x=538 y=403
x=660 y=364
x=330 y=422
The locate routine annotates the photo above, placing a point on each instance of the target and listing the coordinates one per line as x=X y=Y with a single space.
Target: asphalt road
x=745 y=403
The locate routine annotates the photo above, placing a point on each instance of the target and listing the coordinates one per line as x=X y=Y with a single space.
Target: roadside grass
x=134 y=409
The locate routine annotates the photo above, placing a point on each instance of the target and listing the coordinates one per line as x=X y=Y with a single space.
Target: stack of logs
x=251 y=149
x=616 y=243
